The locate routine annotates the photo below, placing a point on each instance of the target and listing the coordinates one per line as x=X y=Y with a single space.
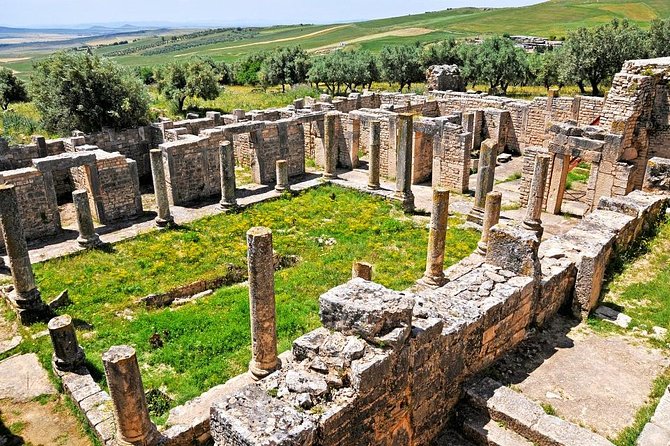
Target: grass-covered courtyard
x=207 y=342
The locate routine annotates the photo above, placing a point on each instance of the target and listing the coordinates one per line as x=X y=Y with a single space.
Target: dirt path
x=265 y=42
x=404 y=32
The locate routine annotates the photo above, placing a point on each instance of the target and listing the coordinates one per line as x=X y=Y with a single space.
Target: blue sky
x=52 y=13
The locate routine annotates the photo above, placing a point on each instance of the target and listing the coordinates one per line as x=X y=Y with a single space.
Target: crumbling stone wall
x=444 y=77
x=387 y=368
x=39 y=212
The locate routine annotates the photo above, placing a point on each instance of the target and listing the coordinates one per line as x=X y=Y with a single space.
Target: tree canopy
x=196 y=78
x=401 y=64
x=86 y=92
x=285 y=66
x=11 y=88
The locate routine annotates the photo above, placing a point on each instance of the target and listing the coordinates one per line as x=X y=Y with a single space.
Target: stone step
x=451 y=438
x=482 y=430
x=526 y=417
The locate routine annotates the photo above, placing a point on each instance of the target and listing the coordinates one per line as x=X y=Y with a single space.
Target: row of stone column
x=228 y=186
x=403 y=189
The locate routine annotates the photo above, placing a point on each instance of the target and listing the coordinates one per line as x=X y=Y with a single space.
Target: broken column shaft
x=485 y=180
x=434 y=275
x=87 y=235
x=330 y=146
x=361 y=270
x=227 y=171
x=131 y=414
x=25 y=297
x=373 y=163
x=404 y=161
x=262 y=302
x=68 y=355
x=164 y=217
x=491 y=218
x=282 y=176
x=533 y=219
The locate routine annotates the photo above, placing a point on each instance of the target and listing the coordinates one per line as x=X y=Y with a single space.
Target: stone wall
x=39 y=211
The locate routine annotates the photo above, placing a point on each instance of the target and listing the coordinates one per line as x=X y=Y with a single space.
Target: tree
x=193 y=79
x=659 y=38
x=544 y=68
x=86 y=92
x=245 y=71
x=596 y=54
x=285 y=66
x=350 y=69
x=11 y=88
x=401 y=64
x=501 y=63
x=445 y=52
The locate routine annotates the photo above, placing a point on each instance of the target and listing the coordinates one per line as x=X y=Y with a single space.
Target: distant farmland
x=550 y=19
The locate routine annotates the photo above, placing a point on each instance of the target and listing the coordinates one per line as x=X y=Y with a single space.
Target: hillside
x=551 y=18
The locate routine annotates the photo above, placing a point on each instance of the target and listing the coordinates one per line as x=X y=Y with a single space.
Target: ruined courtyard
x=204 y=309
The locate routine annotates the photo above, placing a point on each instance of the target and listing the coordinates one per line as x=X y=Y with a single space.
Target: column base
x=374 y=187
x=258 y=372
x=482 y=248
x=72 y=365
x=226 y=206
x=433 y=281
x=151 y=438
x=281 y=189
x=30 y=307
x=90 y=242
x=163 y=222
x=476 y=216
x=407 y=199
x=329 y=176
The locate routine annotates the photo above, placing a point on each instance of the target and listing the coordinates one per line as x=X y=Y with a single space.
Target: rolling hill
x=551 y=18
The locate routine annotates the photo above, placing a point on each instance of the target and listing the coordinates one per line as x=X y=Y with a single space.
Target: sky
x=58 y=13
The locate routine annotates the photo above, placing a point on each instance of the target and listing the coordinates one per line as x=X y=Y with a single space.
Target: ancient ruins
x=387 y=367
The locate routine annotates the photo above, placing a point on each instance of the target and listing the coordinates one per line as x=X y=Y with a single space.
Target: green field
x=551 y=18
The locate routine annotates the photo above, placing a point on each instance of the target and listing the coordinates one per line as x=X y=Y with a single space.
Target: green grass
x=207 y=342
x=548 y=409
x=551 y=18
x=579 y=174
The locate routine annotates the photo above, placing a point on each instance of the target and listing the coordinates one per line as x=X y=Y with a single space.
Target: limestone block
x=514 y=248
x=657 y=177
x=254 y=418
x=366 y=309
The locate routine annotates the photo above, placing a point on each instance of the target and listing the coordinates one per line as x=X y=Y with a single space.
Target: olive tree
x=193 y=79
x=285 y=66
x=11 y=88
x=87 y=92
x=401 y=64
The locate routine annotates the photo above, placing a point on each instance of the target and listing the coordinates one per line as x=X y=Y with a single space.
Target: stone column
x=68 y=355
x=362 y=270
x=373 y=164
x=403 y=182
x=87 y=236
x=330 y=146
x=559 y=178
x=160 y=189
x=533 y=219
x=282 y=176
x=434 y=275
x=485 y=180
x=133 y=425
x=25 y=297
x=262 y=303
x=491 y=218
x=227 y=172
